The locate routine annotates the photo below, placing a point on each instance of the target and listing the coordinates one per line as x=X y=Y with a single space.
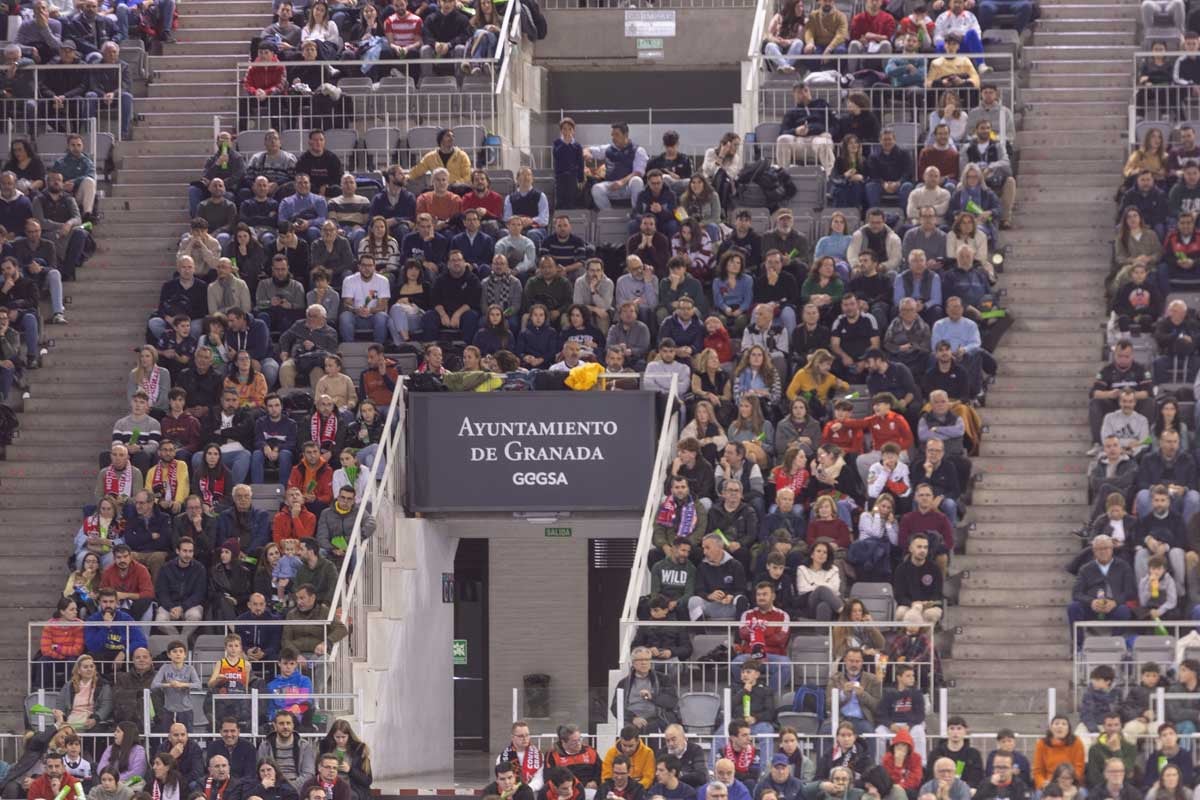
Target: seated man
x=455 y=298
x=656 y=199
x=279 y=302
x=1105 y=588
x=58 y=214
x=917 y=582
x=530 y=204
x=902 y=708
x=19 y=301
x=79 y=175
x=877 y=237
x=624 y=163
x=826 y=30
x=439 y=202
x=763 y=634
x=852 y=335
x=365 y=300
x=1122 y=372
x=445 y=33
x=120 y=478
x=350 y=210
x=106 y=84
x=38 y=259
x=275 y=438
x=871 y=30
x=148 y=533
x=650 y=699
x=927 y=519
x=995 y=112
x=168 y=479
x=920 y=283
x=965 y=343
x=139 y=432
x=519 y=250
x=297 y=762
x=1130 y=427
x=305 y=346
x=735 y=468
x=886 y=426
x=274 y=163
x=649 y=245
x=427 y=245
x=1162 y=532
x=889 y=172
x=943 y=477
x=720 y=583
x=855 y=692
x=305 y=210
x=396 y=204
x=1110 y=744
x=181 y=586
x=483 y=199
x=477 y=247
x=314 y=478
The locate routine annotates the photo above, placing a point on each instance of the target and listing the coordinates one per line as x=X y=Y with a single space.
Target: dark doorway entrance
x=471 y=632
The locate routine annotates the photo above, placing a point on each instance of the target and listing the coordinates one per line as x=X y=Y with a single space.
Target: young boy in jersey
x=231 y=676
x=75 y=763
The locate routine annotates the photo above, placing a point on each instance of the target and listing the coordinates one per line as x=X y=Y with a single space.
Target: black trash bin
x=537 y=696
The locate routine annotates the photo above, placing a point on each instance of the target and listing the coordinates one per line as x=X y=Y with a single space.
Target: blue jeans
x=775 y=55
x=238 y=464
x=349 y=323
x=989 y=9
x=874 y=193
x=431 y=325
x=28 y=325
x=93 y=108
x=50 y=279
x=1188 y=504
x=258 y=466
x=1080 y=612
x=483 y=46
x=8 y=377
x=971 y=43
x=850 y=194
x=158 y=326
x=1185 y=729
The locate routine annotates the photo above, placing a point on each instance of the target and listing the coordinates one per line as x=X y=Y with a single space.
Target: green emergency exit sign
x=460 y=652
x=649 y=44
x=558 y=533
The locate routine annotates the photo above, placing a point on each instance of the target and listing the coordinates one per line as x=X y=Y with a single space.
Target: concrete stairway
x=49 y=472
x=1014 y=641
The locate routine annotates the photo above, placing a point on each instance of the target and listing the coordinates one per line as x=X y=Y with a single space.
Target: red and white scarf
x=528 y=766
x=212 y=489
x=171 y=484
x=323 y=433
x=741 y=761
x=118 y=484
x=150 y=385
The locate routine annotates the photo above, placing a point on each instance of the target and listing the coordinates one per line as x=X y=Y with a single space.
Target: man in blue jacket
x=113 y=641
x=148 y=532
x=1104 y=588
x=181 y=586
x=249 y=525
x=259 y=641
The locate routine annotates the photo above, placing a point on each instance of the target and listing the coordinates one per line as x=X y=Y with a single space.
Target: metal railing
x=640 y=572
x=767 y=96
x=361 y=95
x=42 y=112
x=1160 y=105
x=655 y=5
x=1160 y=645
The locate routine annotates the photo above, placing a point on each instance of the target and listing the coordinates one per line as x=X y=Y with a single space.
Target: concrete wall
x=703 y=37
x=410 y=670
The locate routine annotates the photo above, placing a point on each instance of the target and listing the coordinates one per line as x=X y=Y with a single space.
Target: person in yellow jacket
x=814 y=382
x=635 y=750
x=454 y=159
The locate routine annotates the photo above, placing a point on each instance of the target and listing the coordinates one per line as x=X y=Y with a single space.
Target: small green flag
x=972 y=208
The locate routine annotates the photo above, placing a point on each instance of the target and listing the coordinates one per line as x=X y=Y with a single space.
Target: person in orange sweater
x=293 y=520
x=1058 y=746
x=885 y=426
x=314 y=478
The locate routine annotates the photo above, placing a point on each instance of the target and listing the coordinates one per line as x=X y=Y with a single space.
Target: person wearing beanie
x=229 y=583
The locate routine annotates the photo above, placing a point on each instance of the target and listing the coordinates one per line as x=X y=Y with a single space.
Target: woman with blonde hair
x=712 y=383
x=152 y=379
x=87 y=699
x=815 y=381
x=706 y=429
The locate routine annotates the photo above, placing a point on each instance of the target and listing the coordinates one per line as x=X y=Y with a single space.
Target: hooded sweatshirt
x=729 y=576
x=906 y=772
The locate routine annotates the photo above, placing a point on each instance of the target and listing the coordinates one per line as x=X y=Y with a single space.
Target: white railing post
x=147 y=714
x=943 y=710
x=516 y=704
x=727 y=698
x=620 y=708
x=1051 y=703
x=254 y=712
x=1160 y=705
x=41 y=698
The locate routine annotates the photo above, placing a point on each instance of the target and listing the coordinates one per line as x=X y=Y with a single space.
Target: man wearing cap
x=454 y=159
x=780 y=780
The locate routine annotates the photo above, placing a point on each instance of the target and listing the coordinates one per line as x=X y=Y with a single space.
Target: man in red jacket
x=131 y=581
x=764 y=633
x=885 y=426
x=263 y=84
x=50 y=783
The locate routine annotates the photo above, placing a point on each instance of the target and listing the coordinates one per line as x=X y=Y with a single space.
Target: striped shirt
x=403 y=31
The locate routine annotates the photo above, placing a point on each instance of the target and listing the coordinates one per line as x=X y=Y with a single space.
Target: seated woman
x=706 y=429
x=849 y=176
x=248 y=382
x=109 y=785
x=785 y=37
x=228 y=582
x=755 y=431
x=152 y=379
x=702 y=204
x=83 y=584
x=86 y=702
x=1135 y=244
x=799 y=430
x=973 y=196
x=99 y=531
x=579 y=328
x=61 y=644
x=819 y=583
x=1152 y=156
x=212 y=482
x=824 y=289
x=125 y=755
x=269 y=782
x=756 y=376
x=413 y=299
x=835 y=243
x=816 y=383
x=30 y=170
x=966 y=231
x=833 y=478
x=354 y=757
x=693 y=243
x=733 y=292
x=248 y=255
x=366 y=432
x=1155 y=79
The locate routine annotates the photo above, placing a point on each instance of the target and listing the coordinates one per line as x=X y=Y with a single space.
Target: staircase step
x=1034 y=673
x=1043 y=479
x=1008 y=654
x=1052 y=594
x=1045 y=497
x=1084 y=35
x=982 y=615
x=1020 y=548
